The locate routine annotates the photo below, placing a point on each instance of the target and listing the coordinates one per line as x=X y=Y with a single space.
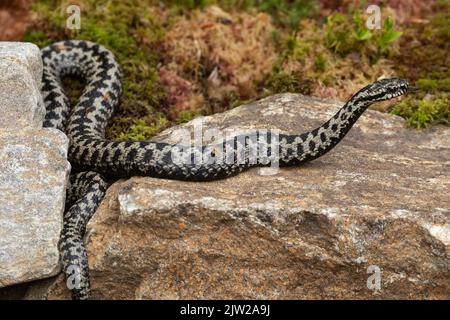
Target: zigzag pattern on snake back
x=85 y=124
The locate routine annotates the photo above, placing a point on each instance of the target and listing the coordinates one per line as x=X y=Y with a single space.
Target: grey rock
x=33 y=171
x=33 y=178
x=21 y=103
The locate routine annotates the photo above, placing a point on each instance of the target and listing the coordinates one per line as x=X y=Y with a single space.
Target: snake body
x=95 y=158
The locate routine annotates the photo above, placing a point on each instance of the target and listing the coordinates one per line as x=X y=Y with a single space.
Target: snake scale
x=96 y=160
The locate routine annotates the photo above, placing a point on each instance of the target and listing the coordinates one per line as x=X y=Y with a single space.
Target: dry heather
x=213 y=55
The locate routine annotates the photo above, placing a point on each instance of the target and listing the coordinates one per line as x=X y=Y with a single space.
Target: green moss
x=288 y=13
x=285 y=13
x=185 y=116
x=133 y=32
x=348 y=33
x=434 y=84
x=424 y=49
x=140 y=130
x=428 y=65
x=130 y=31
x=37 y=37
x=320 y=63
x=442 y=20
x=420 y=113
x=187 y=5
x=287 y=82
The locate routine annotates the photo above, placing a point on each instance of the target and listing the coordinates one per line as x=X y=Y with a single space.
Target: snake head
x=384 y=89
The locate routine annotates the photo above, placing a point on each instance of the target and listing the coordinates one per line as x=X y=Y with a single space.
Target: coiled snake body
x=94 y=158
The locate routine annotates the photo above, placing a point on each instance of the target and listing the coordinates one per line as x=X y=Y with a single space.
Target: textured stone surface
x=33 y=171
x=33 y=177
x=380 y=198
x=20 y=80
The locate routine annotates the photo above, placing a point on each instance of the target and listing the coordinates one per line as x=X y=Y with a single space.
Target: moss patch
x=429 y=110
x=321 y=59
x=182 y=59
x=132 y=33
x=425 y=61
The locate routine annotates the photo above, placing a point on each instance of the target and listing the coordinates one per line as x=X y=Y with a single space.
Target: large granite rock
x=368 y=220
x=33 y=171
x=20 y=81
x=33 y=179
